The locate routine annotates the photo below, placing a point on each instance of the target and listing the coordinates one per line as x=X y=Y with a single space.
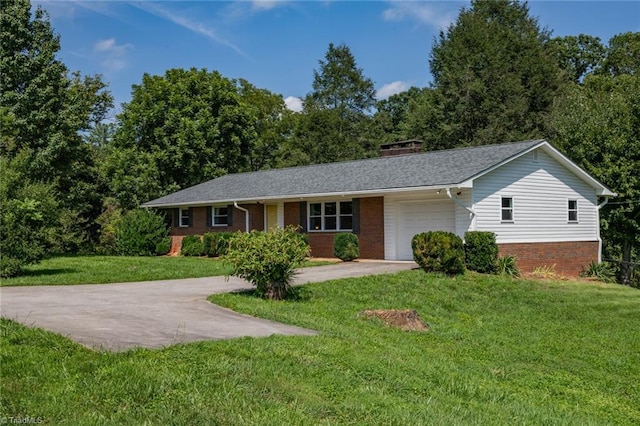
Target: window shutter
x=190 y=216
x=230 y=209
x=355 y=206
x=176 y=217
x=209 y=216
x=303 y=216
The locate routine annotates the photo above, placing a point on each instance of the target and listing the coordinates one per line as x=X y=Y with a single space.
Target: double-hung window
x=572 y=210
x=184 y=217
x=220 y=216
x=331 y=216
x=506 y=209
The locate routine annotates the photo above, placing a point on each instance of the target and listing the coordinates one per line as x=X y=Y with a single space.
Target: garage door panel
x=417 y=217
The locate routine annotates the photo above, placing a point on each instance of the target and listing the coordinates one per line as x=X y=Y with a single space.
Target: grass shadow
x=46 y=272
x=295 y=294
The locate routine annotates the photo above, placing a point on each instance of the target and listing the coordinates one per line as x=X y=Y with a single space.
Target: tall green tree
x=179 y=129
x=579 y=55
x=271 y=123
x=495 y=75
x=43 y=110
x=336 y=113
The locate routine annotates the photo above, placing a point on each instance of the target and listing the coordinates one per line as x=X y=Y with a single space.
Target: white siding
x=540 y=192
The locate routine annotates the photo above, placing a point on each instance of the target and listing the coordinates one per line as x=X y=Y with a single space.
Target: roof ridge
x=438 y=151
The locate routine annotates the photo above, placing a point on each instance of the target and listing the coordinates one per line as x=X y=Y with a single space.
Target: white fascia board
x=301 y=197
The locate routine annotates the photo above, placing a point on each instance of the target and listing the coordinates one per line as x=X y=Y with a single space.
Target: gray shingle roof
x=435 y=168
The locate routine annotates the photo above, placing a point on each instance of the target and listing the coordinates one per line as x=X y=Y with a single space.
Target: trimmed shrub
x=507 y=265
x=267 y=259
x=210 y=244
x=439 y=251
x=191 y=246
x=345 y=247
x=481 y=252
x=142 y=232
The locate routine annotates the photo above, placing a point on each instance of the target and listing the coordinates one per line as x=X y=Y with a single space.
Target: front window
x=331 y=216
x=572 y=210
x=220 y=216
x=184 y=217
x=507 y=209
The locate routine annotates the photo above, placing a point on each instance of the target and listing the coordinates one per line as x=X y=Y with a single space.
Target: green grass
x=500 y=351
x=70 y=270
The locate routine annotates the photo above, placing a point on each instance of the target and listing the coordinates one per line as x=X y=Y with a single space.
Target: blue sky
x=276 y=45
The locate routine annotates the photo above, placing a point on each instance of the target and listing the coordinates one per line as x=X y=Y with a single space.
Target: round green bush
x=481 y=251
x=192 y=246
x=439 y=251
x=142 y=232
x=345 y=247
x=267 y=259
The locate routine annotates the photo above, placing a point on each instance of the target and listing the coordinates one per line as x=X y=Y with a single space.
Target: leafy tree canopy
x=180 y=129
x=336 y=114
x=495 y=75
x=579 y=55
x=43 y=110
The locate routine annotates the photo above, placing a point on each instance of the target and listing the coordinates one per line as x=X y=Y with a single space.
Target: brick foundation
x=569 y=258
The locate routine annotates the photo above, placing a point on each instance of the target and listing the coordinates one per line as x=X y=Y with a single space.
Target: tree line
x=498 y=76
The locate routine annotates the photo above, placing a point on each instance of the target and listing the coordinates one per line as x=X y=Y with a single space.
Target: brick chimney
x=411 y=146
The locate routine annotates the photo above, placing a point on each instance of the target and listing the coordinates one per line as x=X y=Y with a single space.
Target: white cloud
x=293 y=103
x=266 y=4
x=429 y=13
x=187 y=23
x=391 y=89
x=114 y=53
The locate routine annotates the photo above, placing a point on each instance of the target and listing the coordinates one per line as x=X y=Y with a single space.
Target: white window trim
x=214 y=215
x=577 y=210
x=180 y=217
x=513 y=209
x=322 y=216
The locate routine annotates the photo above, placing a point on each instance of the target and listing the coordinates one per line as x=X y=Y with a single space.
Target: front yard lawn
x=69 y=270
x=499 y=351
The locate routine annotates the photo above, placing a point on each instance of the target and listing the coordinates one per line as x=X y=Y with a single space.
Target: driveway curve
x=154 y=314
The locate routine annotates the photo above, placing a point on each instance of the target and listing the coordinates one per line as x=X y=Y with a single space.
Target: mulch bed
x=406 y=320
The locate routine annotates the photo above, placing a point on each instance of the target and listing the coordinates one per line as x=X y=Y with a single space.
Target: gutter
x=246 y=215
x=600 y=206
x=458 y=202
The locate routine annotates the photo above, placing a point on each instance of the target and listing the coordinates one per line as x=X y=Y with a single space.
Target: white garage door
x=417 y=217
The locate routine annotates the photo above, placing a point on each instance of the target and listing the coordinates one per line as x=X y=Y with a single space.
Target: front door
x=272 y=216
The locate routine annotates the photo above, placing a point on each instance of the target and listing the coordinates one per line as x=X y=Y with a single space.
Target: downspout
x=246 y=215
x=461 y=204
x=601 y=205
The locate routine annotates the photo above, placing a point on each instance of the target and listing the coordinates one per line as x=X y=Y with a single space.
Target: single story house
x=543 y=208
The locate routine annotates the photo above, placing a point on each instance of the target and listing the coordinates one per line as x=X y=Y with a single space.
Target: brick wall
x=568 y=257
x=371 y=228
x=371 y=236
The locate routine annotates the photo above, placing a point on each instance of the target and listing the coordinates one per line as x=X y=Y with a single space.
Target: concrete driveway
x=155 y=314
